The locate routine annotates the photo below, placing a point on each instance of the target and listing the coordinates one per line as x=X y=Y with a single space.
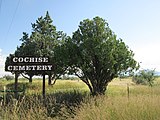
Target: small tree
x=144 y=77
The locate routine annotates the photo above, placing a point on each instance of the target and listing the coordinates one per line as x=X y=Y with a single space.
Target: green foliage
x=145 y=77
x=93 y=53
x=44 y=40
x=97 y=56
x=8 y=77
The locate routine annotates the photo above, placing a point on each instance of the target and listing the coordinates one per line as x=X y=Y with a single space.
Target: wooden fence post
x=4 y=95
x=128 y=91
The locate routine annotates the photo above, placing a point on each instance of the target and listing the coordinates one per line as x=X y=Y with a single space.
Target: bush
x=144 y=77
x=8 y=77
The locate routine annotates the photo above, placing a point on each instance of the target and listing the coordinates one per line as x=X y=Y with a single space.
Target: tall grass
x=60 y=105
x=71 y=100
x=120 y=108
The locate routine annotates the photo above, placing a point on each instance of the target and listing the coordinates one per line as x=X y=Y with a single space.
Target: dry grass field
x=70 y=99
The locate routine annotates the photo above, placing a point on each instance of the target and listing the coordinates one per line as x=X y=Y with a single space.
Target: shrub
x=8 y=77
x=144 y=77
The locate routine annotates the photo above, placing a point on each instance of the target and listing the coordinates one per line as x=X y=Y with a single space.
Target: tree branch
x=85 y=80
x=25 y=76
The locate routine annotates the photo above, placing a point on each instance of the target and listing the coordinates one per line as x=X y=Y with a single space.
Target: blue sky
x=137 y=22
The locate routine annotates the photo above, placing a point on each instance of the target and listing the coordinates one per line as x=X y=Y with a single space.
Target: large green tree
x=46 y=41
x=97 y=56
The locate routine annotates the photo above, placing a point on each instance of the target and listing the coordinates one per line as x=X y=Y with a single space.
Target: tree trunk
x=99 y=89
x=30 y=79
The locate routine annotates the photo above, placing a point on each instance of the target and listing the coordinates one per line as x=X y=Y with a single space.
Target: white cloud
x=2 y=64
x=149 y=56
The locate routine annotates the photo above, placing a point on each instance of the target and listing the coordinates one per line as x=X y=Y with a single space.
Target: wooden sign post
x=16 y=85
x=43 y=87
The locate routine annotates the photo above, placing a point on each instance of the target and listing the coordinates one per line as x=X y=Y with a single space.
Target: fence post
x=128 y=91
x=4 y=95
